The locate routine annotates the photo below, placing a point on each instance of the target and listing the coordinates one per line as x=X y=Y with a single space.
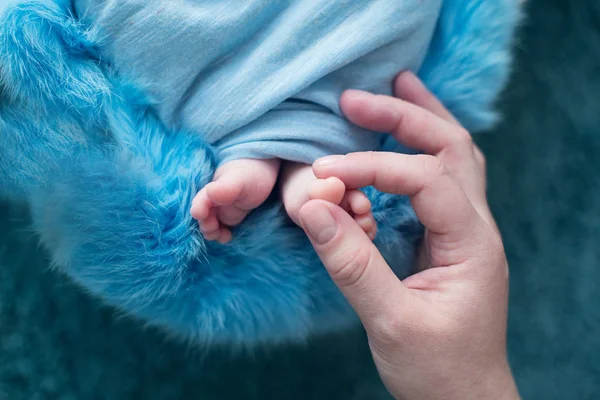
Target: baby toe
x=357 y=202
x=225 y=236
x=225 y=191
x=231 y=215
x=367 y=224
x=330 y=189
x=212 y=236
x=201 y=206
x=210 y=224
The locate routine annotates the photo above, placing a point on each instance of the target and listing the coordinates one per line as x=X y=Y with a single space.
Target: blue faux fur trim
x=110 y=188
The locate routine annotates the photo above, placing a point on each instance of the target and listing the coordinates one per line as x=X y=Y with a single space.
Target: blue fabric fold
x=262 y=78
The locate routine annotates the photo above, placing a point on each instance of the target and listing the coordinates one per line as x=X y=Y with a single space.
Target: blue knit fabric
x=109 y=185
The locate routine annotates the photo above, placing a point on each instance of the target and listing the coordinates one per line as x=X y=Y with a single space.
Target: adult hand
x=441 y=333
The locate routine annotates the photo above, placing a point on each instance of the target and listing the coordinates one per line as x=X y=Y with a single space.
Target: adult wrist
x=500 y=386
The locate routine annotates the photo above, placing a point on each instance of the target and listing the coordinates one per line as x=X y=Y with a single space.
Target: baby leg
x=299 y=185
x=238 y=187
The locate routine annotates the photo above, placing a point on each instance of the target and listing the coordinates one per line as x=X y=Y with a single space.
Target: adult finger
x=410 y=124
x=439 y=201
x=423 y=130
x=353 y=262
x=409 y=87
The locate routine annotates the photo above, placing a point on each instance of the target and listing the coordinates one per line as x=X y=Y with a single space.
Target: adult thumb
x=352 y=261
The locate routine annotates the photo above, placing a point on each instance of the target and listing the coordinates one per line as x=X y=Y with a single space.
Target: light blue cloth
x=262 y=78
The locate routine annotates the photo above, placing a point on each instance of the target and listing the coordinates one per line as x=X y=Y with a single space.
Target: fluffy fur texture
x=109 y=188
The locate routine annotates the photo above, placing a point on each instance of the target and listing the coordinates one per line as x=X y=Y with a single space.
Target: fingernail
x=328 y=160
x=320 y=224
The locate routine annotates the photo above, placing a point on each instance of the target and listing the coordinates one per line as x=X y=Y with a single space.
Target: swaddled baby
x=261 y=80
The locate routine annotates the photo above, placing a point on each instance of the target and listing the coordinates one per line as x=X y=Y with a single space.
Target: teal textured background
x=544 y=176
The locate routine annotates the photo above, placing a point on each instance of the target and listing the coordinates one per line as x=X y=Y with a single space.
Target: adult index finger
x=440 y=203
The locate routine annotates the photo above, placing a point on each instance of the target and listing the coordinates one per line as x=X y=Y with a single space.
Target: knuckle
x=433 y=166
x=464 y=136
x=481 y=159
x=400 y=120
x=388 y=329
x=370 y=156
x=355 y=263
x=393 y=327
x=462 y=139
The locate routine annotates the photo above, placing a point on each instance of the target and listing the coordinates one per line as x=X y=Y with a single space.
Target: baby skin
x=240 y=186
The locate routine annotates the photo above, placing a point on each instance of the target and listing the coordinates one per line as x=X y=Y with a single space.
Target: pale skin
x=441 y=333
x=240 y=186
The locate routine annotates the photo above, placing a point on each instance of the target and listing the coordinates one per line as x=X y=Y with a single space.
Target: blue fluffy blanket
x=109 y=187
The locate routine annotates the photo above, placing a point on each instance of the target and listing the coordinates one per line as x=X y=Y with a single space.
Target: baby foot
x=355 y=202
x=300 y=185
x=238 y=187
